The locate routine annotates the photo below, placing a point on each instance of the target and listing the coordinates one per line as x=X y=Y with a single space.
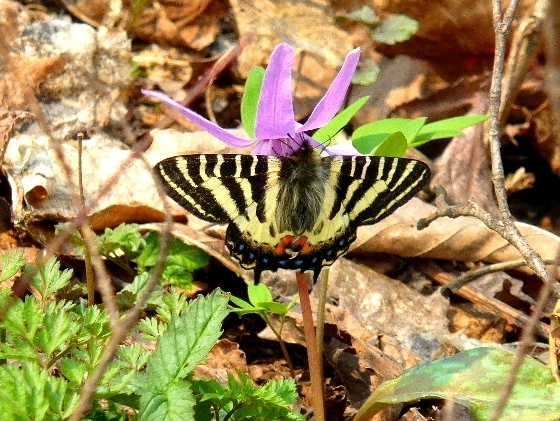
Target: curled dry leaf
x=188 y=23
x=465 y=239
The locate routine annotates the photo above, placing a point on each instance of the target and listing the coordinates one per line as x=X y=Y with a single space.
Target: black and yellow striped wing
x=299 y=212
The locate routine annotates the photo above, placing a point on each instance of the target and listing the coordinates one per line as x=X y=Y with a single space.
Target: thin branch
x=130 y=319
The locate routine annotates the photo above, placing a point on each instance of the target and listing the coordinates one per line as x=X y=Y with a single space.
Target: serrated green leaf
x=49 y=279
x=125 y=238
x=326 y=133
x=73 y=370
x=149 y=254
x=182 y=260
x=175 y=403
x=12 y=262
x=450 y=127
x=59 y=328
x=250 y=99
x=29 y=393
x=188 y=340
x=367 y=73
x=395 y=28
x=151 y=328
x=475 y=379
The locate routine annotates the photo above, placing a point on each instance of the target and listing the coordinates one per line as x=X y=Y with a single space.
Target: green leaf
x=12 y=262
x=187 y=341
x=326 y=133
x=59 y=328
x=49 y=279
x=175 y=403
x=30 y=393
x=367 y=73
x=474 y=379
x=395 y=145
x=365 y=15
x=259 y=293
x=250 y=99
x=450 y=127
x=125 y=238
x=164 y=395
x=367 y=138
x=149 y=254
x=182 y=260
x=395 y=28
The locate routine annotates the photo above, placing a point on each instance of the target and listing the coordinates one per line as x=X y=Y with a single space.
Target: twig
x=127 y=322
x=492 y=222
x=472 y=275
x=312 y=351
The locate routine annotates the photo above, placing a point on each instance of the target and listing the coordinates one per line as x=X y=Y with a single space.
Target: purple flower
x=275 y=127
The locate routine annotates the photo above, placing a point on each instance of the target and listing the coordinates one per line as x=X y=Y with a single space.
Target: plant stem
x=315 y=370
x=282 y=343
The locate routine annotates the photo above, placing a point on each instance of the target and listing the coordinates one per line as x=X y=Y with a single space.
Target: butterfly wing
x=369 y=188
x=215 y=188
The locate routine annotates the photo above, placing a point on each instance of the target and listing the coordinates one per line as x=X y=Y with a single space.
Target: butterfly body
x=299 y=212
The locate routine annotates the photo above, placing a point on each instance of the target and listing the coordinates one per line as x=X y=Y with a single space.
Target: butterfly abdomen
x=301 y=193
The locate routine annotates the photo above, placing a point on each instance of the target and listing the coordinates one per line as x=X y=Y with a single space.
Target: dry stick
x=131 y=317
x=90 y=282
x=502 y=26
x=312 y=351
x=472 y=275
x=551 y=30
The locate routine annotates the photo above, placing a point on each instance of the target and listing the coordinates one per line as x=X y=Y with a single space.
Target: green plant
x=52 y=344
x=393 y=136
x=137 y=253
x=474 y=379
x=262 y=303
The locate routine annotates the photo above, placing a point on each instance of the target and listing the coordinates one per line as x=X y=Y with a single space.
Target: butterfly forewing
x=370 y=188
x=216 y=188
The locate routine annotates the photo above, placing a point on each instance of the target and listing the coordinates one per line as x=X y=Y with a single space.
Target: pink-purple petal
x=207 y=125
x=275 y=111
x=330 y=104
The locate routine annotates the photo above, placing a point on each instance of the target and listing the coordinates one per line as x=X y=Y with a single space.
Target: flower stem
x=315 y=370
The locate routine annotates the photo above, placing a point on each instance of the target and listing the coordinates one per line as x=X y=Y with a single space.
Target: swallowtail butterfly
x=299 y=212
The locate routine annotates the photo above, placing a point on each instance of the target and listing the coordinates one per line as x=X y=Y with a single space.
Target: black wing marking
x=370 y=188
x=216 y=188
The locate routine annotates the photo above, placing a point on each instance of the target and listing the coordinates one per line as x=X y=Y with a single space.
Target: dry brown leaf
x=464 y=168
x=465 y=239
x=306 y=25
x=193 y=24
x=457 y=38
x=224 y=358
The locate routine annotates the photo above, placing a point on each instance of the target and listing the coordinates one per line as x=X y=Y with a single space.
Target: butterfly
x=298 y=212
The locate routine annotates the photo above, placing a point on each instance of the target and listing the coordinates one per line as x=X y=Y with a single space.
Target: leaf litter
x=380 y=308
